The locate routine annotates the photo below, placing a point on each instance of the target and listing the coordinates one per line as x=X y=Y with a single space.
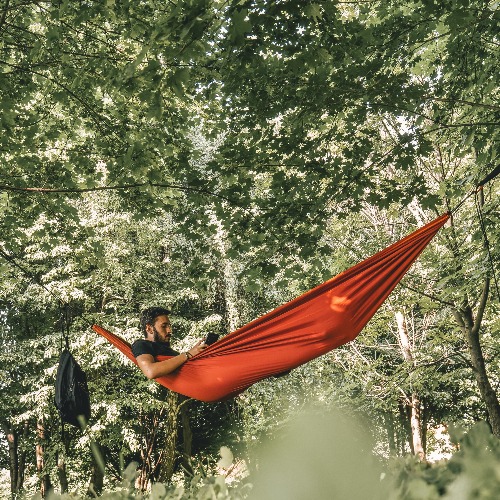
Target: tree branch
x=4 y=13
x=429 y=296
x=456 y=125
x=441 y=359
x=95 y=115
x=34 y=190
x=458 y=317
x=462 y=101
x=482 y=306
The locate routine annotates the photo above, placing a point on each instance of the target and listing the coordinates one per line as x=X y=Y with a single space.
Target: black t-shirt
x=143 y=346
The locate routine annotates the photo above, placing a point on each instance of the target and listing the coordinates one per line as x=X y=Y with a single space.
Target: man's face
x=162 y=329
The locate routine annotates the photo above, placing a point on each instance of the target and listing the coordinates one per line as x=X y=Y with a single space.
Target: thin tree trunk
x=415 y=403
x=21 y=466
x=149 y=427
x=17 y=455
x=187 y=437
x=471 y=328
x=45 y=485
x=405 y=421
x=148 y=439
x=389 y=425
x=97 y=476
x=61 y=472
x=397 y=435
x=169 y=454
x=416 y=426
x=12 y=442
x=229 y=284
x=142 y=479
x=425 y=414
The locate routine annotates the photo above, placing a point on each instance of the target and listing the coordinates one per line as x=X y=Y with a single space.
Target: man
x=155 y=325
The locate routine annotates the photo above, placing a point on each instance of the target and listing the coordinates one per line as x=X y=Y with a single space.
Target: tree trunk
x=169 y=454
x=389 y=425
x=17 y=455
x=22 y=459
x=416 y=426
x=425 y=415
x=97 y=476
x=471 y=328
x=45 y=485
x=405 y=422
x=12 y=440
x=228 y=281
x=143 y=477
x=417 y=444
x=61 y=472
x=152 y=430
x=148 y=464
x=187 y=437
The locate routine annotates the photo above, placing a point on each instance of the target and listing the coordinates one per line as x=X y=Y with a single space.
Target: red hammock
x=321 y=319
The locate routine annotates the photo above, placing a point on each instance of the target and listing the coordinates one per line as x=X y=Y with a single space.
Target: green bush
x=329 y=457
x=473 y=472
x=200 y=487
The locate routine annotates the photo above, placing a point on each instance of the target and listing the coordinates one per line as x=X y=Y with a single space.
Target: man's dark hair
x=149 y=315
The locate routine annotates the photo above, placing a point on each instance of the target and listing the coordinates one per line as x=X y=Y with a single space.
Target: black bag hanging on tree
x=72 y=393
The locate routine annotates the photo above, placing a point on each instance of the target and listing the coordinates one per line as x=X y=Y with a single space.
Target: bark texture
x=414 y=402
x=471 y=326
x=45 y=484
x=97 y=475
x=169 y=452
x=17 y=455
x=61 y=473
x=187 y=437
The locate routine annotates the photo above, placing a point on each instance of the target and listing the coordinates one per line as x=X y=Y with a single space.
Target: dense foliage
x=220 y=158
x=469 y=473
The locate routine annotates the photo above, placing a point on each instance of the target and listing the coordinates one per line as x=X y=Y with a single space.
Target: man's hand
x=199 y=347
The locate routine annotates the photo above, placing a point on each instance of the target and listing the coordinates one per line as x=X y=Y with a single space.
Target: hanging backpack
x=72 y=393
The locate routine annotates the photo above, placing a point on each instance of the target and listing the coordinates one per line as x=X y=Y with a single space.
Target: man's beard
x=157 y=338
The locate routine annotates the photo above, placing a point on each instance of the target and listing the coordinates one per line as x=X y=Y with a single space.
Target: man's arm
x=155 y=369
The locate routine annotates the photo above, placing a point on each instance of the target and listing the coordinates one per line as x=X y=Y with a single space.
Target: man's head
x=155 y=324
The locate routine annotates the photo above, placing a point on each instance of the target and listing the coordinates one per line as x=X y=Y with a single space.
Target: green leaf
x=314 y=11
x=240 y=25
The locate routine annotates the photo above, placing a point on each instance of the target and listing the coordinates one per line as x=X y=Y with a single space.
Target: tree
x=210 y=145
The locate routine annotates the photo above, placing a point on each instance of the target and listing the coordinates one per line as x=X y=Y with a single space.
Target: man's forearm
x=154 y=369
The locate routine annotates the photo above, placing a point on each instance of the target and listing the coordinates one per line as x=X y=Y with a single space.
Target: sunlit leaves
x=270 y=123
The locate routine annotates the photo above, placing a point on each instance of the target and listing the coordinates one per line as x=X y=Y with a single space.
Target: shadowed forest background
x=223 y=157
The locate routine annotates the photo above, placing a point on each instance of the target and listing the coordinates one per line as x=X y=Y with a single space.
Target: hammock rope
x=310 y=325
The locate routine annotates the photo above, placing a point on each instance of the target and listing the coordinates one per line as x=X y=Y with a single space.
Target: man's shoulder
x=142 y=346
x=139 y=342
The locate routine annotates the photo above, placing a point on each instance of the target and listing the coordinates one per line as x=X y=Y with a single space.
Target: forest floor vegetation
x=329 y=456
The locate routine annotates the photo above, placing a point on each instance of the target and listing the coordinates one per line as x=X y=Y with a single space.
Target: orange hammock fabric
x=318 y=321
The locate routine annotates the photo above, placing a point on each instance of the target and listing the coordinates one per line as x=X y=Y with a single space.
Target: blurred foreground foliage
x=473 y=472
x=329 y=456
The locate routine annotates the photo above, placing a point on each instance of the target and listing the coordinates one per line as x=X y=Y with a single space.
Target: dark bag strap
x=64 y=322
